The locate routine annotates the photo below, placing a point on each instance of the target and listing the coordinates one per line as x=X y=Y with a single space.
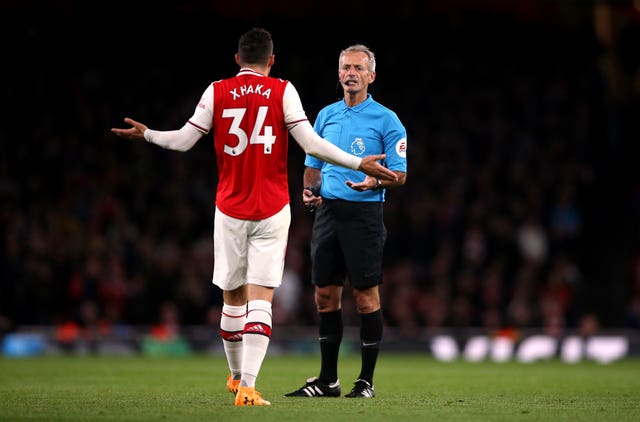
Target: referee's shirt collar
x=359 y=107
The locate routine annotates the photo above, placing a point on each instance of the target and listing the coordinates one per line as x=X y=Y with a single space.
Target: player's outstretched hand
x=136 y=131
x=373 y=168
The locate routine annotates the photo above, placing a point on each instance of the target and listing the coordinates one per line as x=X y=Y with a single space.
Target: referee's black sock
x=330 y=331
x=370 y=338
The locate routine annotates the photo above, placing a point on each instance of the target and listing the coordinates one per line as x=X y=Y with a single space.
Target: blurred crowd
x=521 y=207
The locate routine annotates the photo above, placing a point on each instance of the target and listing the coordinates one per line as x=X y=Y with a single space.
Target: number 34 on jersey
x=259 y=135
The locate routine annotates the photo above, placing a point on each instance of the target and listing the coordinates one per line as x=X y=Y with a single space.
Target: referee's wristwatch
x=378 y=185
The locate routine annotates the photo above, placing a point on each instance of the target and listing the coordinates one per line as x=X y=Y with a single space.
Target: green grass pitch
x=408 y=388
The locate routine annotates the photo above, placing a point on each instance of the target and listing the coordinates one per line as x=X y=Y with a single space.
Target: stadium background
x=521 y=208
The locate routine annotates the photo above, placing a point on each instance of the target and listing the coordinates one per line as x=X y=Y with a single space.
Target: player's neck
x=258 y=69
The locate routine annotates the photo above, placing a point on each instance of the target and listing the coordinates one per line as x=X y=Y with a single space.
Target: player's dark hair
x=255 y=46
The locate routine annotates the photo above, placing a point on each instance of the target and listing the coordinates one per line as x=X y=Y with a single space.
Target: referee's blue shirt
x=366 y=129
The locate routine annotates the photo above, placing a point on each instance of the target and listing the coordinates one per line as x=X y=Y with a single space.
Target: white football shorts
x=249 y=251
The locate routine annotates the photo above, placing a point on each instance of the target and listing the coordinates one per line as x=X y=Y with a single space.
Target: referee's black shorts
x=348 y=240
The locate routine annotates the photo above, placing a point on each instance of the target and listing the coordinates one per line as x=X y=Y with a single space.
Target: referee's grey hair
x=362 y=49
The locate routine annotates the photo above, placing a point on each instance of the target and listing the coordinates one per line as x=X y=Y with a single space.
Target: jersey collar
x=248 y=71
x=360 y=106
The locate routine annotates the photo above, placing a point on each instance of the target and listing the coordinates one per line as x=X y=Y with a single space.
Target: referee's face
x=354 y=73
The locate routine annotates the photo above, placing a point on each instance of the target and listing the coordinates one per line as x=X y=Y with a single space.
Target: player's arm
x=182 y=139
x=314 y=145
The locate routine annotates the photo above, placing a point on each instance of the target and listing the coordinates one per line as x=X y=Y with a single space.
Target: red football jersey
x=251 y=145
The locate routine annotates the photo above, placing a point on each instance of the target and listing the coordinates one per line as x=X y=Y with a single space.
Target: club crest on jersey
x=357 y=146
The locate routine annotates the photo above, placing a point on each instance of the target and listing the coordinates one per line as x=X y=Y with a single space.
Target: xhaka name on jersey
x=250 y=89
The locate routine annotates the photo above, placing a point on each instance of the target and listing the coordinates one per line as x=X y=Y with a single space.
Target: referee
x=349 y=233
